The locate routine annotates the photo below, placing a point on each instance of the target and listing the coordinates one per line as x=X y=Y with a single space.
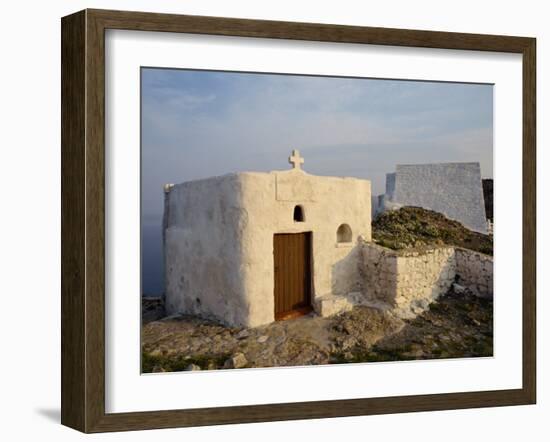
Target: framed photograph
x=270 y=220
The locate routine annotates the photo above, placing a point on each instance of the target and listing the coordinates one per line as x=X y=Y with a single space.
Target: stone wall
x=422 y=277
x=379 y=272
x=408 y=281
x=475 y=272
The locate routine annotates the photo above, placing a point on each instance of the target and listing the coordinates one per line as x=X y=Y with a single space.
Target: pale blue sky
x=197 y=124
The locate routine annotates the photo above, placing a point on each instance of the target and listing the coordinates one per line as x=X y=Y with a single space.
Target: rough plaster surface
x=408 y=281
x=219 y=240
x=453 y=189
x=203 y=224
x=390 y=185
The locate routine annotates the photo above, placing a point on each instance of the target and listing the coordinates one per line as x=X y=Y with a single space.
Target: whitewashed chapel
x=249 y=248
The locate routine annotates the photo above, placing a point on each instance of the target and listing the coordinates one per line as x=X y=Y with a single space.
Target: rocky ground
x=457 y=325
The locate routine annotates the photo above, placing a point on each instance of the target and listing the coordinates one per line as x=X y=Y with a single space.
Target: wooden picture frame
x=83 y=220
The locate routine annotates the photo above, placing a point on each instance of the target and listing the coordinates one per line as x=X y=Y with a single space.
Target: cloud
x=199 y=124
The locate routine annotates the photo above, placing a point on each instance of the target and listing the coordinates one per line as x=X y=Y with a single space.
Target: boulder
x=238 y=360
x=192 y=367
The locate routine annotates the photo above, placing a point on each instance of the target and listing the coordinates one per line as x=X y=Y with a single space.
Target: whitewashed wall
x=203 y=225
x=453 y=189
x=219 y=240
x=327 y=203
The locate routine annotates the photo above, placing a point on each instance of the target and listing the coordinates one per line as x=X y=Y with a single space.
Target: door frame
x=301 y=311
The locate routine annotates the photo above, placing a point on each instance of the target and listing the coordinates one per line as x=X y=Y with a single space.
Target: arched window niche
x=344 y=234
x=299 y=215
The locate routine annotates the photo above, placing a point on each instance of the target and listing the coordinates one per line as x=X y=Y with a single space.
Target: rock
x=280 y=340
x=263 y=338
x=330 y=305
x=158 y=369
x=211 y=366
x=156 y=352
x=348 y=343
x=458 y=289
x=436 y=322
x=238 y=360
x=348 y=355
x=171 y=317
x=192 y=367
x=417 y=351
x=243 y=334
x=423 y=304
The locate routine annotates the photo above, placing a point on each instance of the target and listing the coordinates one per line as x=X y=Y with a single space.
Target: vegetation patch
x=158 y=363
x=415 y=227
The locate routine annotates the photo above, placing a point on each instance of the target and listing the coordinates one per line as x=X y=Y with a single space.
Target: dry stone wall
x=379 y=272
x=408 y=281
x=422 y=277
x=475 y=271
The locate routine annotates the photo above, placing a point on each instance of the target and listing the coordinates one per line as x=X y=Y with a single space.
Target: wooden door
x=292 y=259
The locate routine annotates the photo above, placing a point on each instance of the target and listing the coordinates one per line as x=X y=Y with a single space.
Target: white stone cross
x=295 y=159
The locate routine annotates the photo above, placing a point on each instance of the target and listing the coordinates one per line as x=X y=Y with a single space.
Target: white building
x=453 y=189
x=249 y=248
